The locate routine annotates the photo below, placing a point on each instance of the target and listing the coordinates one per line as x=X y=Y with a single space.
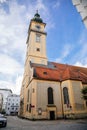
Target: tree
x=84 y=93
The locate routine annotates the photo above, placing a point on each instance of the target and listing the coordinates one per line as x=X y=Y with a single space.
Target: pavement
x=15 y=123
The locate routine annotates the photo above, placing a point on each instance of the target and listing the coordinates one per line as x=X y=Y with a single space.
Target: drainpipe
x=62 y=99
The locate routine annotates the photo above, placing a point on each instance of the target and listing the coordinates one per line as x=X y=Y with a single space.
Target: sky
x=66 y=40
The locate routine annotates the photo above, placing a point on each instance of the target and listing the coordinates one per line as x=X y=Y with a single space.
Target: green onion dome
x=37 y=18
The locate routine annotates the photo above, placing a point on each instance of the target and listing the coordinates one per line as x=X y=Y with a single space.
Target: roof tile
x=60 y=72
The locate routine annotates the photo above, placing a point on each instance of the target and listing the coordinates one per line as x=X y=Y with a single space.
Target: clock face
x=38 y=27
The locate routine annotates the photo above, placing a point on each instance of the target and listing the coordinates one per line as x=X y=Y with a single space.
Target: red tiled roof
x=47 y=74
x=61 y=72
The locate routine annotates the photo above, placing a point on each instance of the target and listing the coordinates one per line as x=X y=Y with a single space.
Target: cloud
x=14 y=23
x=75 y=54
x=40 y=5
x=9 y=65
x=18 y=83
x=2 y=1
x=7 y=85
x=64 y=52
x=80 y=57
x=15 y=87
x=56 y=4
x=80 y=64
x=45 y=13
x=13 y=31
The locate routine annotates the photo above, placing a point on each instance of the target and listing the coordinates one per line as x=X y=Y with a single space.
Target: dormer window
x=45 y=73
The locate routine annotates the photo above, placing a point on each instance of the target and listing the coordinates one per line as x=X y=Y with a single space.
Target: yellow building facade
x=49 y=90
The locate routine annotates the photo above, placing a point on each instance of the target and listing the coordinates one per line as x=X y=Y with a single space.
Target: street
x=15 y=123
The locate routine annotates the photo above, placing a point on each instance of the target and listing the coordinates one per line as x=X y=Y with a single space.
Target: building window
x=27 y=107
x=66 y=95
x=12 y=108
x=38 y=49
x=45 y=73
x=37 y=38
x=86 y=103
x=16 y=108
x=50 y=96
x=33 y=90
x=30 y=108
x=28 y=96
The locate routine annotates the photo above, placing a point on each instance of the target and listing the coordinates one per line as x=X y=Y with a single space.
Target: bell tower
x=36 y=41
x=36 y=53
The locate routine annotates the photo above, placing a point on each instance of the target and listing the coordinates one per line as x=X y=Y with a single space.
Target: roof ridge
x=69 y=65
x=45 y=68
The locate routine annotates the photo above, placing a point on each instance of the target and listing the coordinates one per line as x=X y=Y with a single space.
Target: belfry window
x=37 y=38
x=50 y=96
x=66 y=95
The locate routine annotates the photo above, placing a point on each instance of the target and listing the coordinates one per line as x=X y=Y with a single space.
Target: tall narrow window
x=86 y=103
x=27 y=107
x=28 y=96
x=65 y=95
x=37 y=38
x=50 y=96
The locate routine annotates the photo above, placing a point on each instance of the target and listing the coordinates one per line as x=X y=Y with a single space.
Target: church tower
x=36 y=41
x=36 y=53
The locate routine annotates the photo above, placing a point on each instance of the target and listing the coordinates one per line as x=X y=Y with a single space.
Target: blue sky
x=66 y=36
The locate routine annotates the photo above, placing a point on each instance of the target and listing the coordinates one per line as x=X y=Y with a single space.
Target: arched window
x=50 y=96
x=66 y=95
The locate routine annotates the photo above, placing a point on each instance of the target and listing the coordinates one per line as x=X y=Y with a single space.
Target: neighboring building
x=81 y=6
x=1 y=101
x=49 y=90
x=5 y=93
x=13 y=102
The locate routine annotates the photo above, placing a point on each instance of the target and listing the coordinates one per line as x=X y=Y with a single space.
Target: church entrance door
x=52 y=115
